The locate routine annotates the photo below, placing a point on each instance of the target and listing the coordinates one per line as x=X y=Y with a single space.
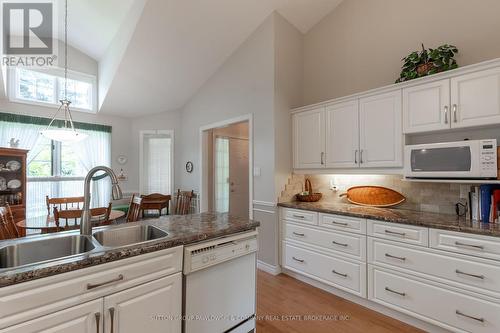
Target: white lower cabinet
x=154 y=307
x=346 y=275
x=84 y=318
x=447 y=307
x=141 y=293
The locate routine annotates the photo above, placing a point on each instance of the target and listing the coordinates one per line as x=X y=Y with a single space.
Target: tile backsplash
x=428 y=197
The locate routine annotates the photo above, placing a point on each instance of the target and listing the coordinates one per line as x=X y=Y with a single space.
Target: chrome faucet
x=116 y=192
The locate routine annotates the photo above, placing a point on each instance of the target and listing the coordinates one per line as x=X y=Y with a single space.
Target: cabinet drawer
x=398 y=232
x=450 y=309
x=474 y=245
x=341 y=242
x=60 y=291
x=302 y=216
x=346 y=223
x=478 y=275
x=346 y=275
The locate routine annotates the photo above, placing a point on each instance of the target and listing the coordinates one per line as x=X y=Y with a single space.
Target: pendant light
x=68 y=132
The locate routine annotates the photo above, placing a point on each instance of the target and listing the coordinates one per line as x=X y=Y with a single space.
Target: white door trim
x=141 y=159
x=202 y=159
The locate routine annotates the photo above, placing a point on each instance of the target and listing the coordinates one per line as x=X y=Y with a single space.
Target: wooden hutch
x=13 y=180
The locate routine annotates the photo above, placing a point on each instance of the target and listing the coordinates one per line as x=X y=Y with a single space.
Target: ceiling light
x=68 y=132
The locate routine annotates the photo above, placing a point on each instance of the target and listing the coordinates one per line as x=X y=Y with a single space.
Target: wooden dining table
x=46 y=224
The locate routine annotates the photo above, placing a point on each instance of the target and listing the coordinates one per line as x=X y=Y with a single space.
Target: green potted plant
x=427 y=62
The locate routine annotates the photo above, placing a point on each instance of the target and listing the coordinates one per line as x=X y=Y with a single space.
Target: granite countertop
x=404 y=216
x=181 y=229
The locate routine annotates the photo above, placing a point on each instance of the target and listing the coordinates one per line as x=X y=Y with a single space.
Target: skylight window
x=47 y=88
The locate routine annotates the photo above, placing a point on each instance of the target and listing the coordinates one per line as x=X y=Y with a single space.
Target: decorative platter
x=13 y=165
x=14 y=184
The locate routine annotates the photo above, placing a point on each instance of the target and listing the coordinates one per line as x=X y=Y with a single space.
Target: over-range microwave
x=469 y=159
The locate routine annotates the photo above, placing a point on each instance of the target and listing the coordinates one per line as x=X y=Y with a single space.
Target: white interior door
x=238 y=177
x=154 y=307
x=475 y=99
x=427 y=107
x=381 y=136
x=156 y=161
x=342 y=135
x=309 y=139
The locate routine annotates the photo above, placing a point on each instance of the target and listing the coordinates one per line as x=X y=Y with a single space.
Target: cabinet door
x=427 y=107
x=475 y=99
x=84 y=318
x=154 y=307
x=381 y=137
x=309 y=139
x=342 y=135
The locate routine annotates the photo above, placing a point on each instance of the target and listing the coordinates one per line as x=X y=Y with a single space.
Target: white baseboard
x=368 y=304
x=274 y=270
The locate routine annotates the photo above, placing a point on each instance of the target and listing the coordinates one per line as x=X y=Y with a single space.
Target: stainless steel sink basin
x=128 y=235
x=37 y=251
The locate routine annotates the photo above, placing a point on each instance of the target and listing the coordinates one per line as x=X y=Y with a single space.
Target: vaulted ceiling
x=175 y=45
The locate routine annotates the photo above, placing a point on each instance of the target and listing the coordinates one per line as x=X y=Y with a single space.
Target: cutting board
x=373 y=196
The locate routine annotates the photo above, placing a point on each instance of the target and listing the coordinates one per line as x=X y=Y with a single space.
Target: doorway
x=226 y=164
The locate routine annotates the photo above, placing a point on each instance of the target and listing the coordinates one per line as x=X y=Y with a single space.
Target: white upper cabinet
x=475 y=99
x=309 y=139
x=342 y=135
x=380 y=128
x=426 y=107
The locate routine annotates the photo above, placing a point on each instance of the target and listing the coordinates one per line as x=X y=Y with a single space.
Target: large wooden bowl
x=374 y=196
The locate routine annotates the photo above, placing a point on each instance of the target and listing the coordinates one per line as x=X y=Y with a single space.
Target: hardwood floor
x=284 y=304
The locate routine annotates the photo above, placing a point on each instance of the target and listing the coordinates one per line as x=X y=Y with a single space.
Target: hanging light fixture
x=68 y=132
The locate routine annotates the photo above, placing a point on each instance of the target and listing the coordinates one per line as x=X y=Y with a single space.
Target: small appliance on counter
x=468 y=159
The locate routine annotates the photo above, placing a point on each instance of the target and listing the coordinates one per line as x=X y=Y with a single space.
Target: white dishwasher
x=219 y=285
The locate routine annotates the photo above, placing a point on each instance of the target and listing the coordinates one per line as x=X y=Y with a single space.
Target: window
x=47 y=88
x=55 y=159
x=156 y=162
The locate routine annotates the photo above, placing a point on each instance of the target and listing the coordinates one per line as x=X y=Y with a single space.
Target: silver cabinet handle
x=455 y=107
x=361 y=156
x=356 y=156
x=299 y=260
x=340 y=224
x=322 y=158
x=467 y=316
x=395 y=257
x=340 y=244
x=98 y=321
x=446 y=114
x=340 y=274
x=402 y=234
x=477 y=276
x=299 y=216
x=297 y=234
x=470 y=245
x=112 y=317
x=395 y=292
x=97 y=285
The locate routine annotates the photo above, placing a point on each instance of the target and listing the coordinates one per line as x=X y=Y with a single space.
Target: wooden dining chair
x=155 y=201
x=10 y=223
x=67 y=215
x=4 y=229
x=69 y=203
x=183 y=202
x=101 y=214
x=134 y=209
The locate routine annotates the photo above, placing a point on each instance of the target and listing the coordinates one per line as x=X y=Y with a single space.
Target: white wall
x=243 y=85
x=359 y=45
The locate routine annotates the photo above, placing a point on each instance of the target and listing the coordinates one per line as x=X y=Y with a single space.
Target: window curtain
x=222 y=174
x=95 y=150
x=157 y=159
x=27 y=134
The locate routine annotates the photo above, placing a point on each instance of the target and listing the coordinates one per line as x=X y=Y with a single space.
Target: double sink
x=39 y=250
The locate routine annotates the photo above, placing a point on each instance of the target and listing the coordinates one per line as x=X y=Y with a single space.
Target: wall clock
x=122 y=159
x=189 y=166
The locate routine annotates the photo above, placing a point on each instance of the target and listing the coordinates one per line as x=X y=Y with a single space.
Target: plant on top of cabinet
x=427 y=62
